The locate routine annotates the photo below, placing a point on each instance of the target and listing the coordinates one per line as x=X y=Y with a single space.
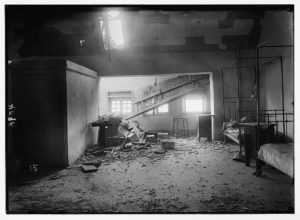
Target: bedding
x=279 y=155
x=231 y=131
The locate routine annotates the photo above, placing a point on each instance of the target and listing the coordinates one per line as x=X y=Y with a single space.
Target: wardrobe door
x=40 y=118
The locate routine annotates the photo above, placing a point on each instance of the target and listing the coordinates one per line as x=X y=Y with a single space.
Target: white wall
x=148 y=122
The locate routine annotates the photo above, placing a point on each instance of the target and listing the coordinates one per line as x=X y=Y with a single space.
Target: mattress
x=280 y=156
x=232 y=133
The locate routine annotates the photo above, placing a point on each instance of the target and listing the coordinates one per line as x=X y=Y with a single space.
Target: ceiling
x=55 y=31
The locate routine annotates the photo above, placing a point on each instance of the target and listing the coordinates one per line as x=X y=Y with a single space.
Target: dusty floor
x=195 y=177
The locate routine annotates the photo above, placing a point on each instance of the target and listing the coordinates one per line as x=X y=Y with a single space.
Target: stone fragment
x=160 y=151
x=89 y=168
x=168 y=145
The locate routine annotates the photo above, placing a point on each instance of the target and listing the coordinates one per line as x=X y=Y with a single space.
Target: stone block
x=168 y=145
x=150 y=138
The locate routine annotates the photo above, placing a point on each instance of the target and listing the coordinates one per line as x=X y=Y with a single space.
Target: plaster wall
x=157 y=122
x=82 y=109
x=126 y=62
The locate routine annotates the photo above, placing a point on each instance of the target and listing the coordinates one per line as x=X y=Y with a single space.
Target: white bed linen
x=280 y=156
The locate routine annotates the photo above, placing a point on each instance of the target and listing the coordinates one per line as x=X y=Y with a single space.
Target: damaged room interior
x=149 y=109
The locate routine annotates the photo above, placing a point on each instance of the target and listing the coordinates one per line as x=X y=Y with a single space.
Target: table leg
x=101 y=136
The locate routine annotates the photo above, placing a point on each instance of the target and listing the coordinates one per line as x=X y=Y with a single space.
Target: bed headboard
x=284 y=121
x=230 y=105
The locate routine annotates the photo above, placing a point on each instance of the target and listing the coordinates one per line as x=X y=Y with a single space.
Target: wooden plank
x=161 y=103
x=171 y=89
x=170 y=94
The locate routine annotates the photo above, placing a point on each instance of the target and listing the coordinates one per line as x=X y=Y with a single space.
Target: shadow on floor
x=27 y=177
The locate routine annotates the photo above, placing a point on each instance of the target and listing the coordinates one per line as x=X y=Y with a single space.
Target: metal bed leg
x=183 y=123
x=188 y=130
x=173 y=126
x=176 y=128
x=258 y=171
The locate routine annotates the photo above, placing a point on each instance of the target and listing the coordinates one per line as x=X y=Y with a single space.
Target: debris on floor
x=89 y=168
x=144 y=177
x=113 y=141
x=150 y=138
x=168 y=145
x=132 y=142
x=163 y=135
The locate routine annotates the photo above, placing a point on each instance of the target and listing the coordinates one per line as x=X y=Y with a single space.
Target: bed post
x=239 y=156
x=282 y=95
x=238 y=70
x=258 y=162
x=223 y=94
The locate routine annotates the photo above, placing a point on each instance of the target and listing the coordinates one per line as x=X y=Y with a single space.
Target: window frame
x=157 y=113
x=194 y=97
x=152 y=114
x=163 y=113
x=105 y=29
x=121 y=99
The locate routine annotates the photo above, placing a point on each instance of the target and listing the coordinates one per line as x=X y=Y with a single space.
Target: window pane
x=113 y=36
x=116 y=110
x=116 y=35
x=115 y=106
x=149 y=112
x=115 y=102
x=194 y=105
x=126 y=106
x=163 y=108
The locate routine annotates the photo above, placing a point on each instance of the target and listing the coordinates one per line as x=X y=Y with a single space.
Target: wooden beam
x=168 y=90
x=161 y=103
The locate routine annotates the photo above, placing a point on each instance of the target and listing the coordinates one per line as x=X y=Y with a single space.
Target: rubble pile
x=132 y=141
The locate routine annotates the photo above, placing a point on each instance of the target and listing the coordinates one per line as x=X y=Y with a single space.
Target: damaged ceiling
x=58 y=32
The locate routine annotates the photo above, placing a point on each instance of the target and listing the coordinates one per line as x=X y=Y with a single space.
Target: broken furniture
x=152 y=140
x=101 y=131
x=180 y=126
x=54 y=99
x=231 y=131
x=131 y=131
x=204 y=126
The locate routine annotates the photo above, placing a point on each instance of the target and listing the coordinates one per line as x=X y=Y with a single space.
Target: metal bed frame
x=282 y=111
x=261 y=115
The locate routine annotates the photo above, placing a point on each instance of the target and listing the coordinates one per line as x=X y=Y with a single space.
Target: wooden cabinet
x=54 y=102
x=204 y=127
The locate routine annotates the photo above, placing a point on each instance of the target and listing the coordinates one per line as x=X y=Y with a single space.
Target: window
x=121 y=107
x=194 y=105
x=116 y=106
x=163 y=108
x=150 y=112
x=112 y=32
x=126 y=107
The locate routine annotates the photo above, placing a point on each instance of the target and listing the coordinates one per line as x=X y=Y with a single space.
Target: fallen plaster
x=192 y=178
